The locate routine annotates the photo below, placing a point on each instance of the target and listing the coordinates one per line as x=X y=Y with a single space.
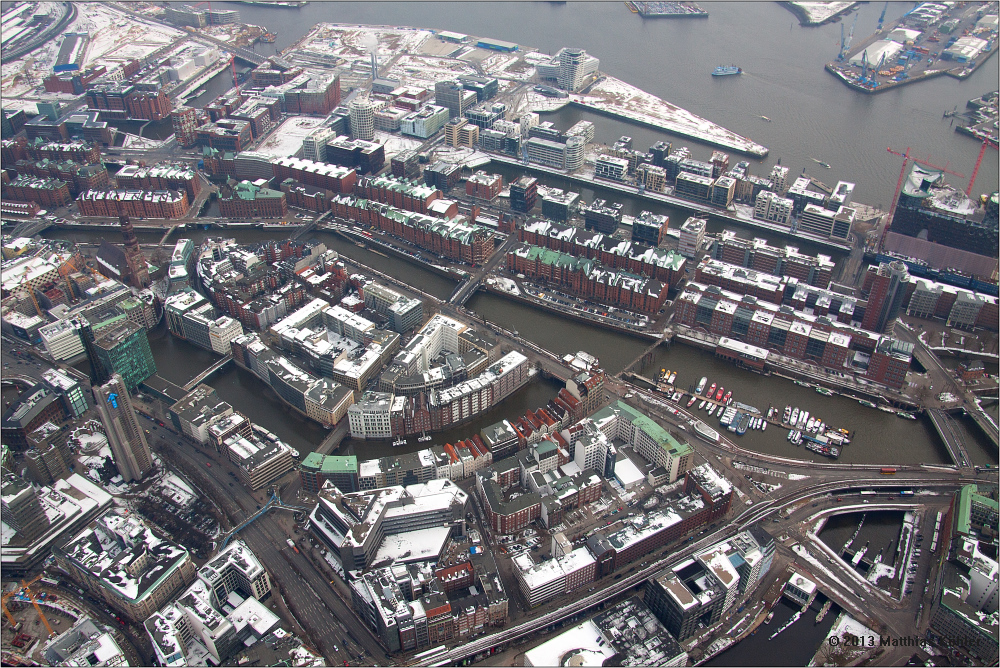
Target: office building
x=123 y=348
x=362 y=119
x=404 y=313
x=692 y=235
x=649 y=228
x=576 y=69
x=21 y=510
x=424 y=122
x=559 y=205
x=452 y=96
x=603 y=217
x=121 y=562
x=627 y=634
x=404 y=524
x=341 y=471
x=773 y=208
x=608 y=167
x=523 y=194
x=128 y=443
x=68 y=389
x=888 y=287
x=825 y=223
x=258 y=461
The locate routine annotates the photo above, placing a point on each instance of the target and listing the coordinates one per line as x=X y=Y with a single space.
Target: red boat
x=729 y=395
x=718 y=395
x=693 y=399
x=711 y=390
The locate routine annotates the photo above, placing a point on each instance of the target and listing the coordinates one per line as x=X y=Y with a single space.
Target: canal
x=878 y=437
x=795 y=646
x=880 y=532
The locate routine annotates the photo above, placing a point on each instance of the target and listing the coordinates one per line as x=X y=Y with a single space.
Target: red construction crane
x=899 y=185
x=975 y=171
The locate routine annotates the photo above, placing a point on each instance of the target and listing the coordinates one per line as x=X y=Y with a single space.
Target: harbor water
x=814 y=116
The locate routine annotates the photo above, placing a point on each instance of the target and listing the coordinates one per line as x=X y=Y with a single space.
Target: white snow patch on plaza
x=286 y=139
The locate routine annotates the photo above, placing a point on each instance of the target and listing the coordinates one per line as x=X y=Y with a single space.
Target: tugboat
x=729 y=395
x=718 y=395
x=726 y=70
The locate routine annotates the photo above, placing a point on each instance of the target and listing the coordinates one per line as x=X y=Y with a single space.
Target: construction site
x=31 y=615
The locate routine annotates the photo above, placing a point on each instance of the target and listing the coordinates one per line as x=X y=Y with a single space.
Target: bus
x=888 y=471
x=868 y=492
x=906 y=492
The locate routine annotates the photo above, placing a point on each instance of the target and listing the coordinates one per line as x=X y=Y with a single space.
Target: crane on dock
x=846 y=45
x=881 y=18
x=975 y=170
x=899 y=185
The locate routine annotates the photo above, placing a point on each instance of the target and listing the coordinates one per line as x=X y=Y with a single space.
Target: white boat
x=701 y=385
x=763 y=427
x=803 y=419
x=711 y=410
x=702 y=404
x=810 y=423
x=423 y=438
x=401 y=441
x=673 y=377
x=795 y=418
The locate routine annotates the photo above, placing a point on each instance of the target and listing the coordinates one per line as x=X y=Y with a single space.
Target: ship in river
x=726 y=71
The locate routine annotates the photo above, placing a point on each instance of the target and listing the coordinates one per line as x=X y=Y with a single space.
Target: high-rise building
x=362 y=119
x=21 y=510
x=128 y=443
x=888 y=288
x=575 y=69
x=185 y=122
x=123 y=348
x=523 y=194
x=453 y=97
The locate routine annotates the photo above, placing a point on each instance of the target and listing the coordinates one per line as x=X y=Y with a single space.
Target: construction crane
x=41 y=614
x=881 y=18
x=845 y=46
x=975 y=171
x=899 y=184
x=26 y=587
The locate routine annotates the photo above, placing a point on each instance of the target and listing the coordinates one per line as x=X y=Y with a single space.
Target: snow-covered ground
x=817 y=12
x=425 y=71
x=354 y=42
x=114 y=38
x=112 y=32
x=396 y=144
x=625 y=100
x=286 y=140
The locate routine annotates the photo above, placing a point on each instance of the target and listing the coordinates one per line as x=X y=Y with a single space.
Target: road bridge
x=30 y=228
x=468 y=287
x=194 y=382
x=955 y=444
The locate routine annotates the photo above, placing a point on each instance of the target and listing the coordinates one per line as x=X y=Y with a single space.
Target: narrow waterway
x=795 y=646
x=877 y=437
x=878 y=534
